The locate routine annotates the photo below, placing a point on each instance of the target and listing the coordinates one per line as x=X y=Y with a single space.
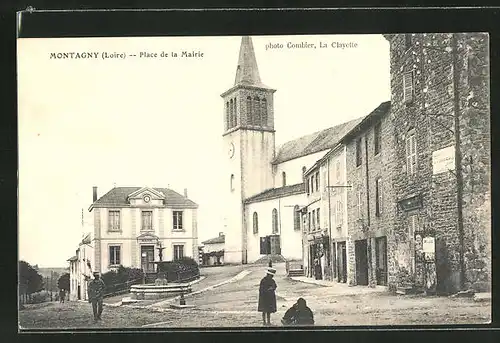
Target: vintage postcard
x=254 y=181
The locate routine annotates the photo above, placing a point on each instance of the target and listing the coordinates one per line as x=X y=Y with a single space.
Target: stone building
x=370 y=199
x=440 y=96
x=132 y=225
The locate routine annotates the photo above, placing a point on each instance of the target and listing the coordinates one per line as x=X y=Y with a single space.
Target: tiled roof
x=374 y=115
x=277 y=193
x=118 y=197
x=315 y=142
x=74 y=258
x=220 y=239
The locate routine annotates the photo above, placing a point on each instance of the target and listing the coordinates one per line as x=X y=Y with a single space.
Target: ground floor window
x=114 y=255
x=178 y=252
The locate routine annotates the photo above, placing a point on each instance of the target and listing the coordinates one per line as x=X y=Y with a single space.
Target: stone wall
x=430 y=116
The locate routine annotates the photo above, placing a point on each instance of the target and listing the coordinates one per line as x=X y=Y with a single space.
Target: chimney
x=185 y=192
x=94 y=197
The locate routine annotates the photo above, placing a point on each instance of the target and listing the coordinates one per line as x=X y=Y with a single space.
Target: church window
x=296 y=218
x=284 y=178
x=249 y=111
x=256 y=111
x=234 y=113
x=231 y=124
x=263 y=121
x=228 y=124
x=255 y=223
x=275 y=221
x=232 y=182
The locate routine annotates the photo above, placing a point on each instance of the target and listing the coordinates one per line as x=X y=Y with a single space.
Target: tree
x=30 y=281
x=63 y=282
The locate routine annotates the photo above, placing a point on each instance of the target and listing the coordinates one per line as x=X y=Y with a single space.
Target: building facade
x=134 y=225
x=213 y=250
x=370 y=199
x=81 y=269
x=324 y=219
x=440 y=114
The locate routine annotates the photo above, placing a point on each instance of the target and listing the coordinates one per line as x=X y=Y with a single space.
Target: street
x=234 y=304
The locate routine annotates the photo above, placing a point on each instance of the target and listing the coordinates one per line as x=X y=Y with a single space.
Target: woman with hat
x=267 y=297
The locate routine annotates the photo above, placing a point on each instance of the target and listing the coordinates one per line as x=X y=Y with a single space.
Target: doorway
x=342 y=262
x=79 y=293
x=360 y=250
x=147 y=258
x=381 y=264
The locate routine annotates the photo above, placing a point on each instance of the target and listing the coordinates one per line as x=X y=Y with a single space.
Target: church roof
x=117 y=197
x=247 y=71
x=315 y=142
x=279 y=192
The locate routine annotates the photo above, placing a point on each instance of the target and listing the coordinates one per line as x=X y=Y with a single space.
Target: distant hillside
x=45 y=272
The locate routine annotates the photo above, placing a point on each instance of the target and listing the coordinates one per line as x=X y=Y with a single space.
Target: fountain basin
x=152 y=291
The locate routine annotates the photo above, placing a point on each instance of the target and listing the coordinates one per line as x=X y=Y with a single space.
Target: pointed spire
x=247 y=71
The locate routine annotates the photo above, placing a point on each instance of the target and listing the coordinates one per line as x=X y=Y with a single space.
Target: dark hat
x=95 y=273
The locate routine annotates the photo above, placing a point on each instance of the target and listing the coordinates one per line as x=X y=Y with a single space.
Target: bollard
x=182 y=301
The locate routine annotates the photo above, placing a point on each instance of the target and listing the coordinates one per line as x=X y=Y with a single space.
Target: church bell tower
x=249 y=141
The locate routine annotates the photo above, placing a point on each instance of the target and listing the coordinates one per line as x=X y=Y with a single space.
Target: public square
x=234 y=304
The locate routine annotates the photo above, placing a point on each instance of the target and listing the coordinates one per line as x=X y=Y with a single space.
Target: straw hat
x=271 y=271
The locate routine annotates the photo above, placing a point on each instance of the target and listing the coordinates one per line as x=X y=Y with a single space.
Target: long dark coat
x=267 y=297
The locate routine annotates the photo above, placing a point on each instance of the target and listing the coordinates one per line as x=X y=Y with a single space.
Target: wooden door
x=275 y=245
x=361 y=256
x=381 y=263
x=341 y=262
x=147 y=258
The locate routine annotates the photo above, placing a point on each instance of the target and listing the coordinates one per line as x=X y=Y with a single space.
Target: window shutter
x=408 y=87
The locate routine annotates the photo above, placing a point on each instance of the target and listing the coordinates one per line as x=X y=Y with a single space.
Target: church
x=265 y=191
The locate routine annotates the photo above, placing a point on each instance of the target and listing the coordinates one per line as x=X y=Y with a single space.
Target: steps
x=274 y=258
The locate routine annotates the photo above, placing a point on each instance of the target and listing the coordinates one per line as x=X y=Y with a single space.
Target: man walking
x=62 y=295
x=96 y=294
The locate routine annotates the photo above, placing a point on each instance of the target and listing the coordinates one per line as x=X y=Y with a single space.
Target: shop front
x=319 y=256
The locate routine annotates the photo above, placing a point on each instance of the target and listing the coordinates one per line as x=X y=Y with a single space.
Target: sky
x=158 y=122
